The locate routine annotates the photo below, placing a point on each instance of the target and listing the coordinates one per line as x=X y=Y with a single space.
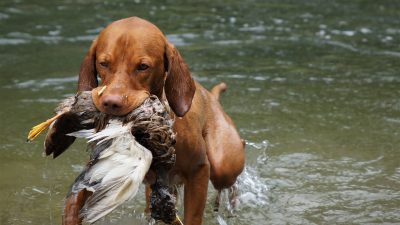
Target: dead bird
x=122 y=149
x=118 y=164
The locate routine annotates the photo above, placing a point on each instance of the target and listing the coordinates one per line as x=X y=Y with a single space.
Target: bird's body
x=117 y=167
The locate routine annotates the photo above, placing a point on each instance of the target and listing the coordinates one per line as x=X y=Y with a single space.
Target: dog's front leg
x=73 y=205
x=196 y=186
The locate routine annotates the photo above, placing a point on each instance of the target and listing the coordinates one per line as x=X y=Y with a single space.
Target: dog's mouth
x=117 y=104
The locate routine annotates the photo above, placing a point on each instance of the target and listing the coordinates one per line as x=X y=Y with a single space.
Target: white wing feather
x=118 y=171
x=82 y=133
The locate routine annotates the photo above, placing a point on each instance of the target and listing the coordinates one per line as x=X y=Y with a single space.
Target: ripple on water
x=53 y=37
x=43 y=83
x=12 y=41
x=309 y=187
x=181 y=39
x=41 y=100
x=4 y=16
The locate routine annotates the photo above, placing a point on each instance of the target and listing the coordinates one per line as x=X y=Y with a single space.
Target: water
x=314 y=88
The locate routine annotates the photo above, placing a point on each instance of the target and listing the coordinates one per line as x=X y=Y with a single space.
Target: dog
x=133 y=59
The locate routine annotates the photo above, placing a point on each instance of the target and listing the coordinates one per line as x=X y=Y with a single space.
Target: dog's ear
x=87 y=73
x=179 y=84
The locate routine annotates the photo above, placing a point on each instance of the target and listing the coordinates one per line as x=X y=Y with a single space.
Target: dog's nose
x=112 y=103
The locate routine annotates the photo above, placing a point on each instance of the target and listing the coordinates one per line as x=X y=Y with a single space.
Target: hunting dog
x=134 y=60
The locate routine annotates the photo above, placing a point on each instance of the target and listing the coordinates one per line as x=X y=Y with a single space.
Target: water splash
x=252 y=189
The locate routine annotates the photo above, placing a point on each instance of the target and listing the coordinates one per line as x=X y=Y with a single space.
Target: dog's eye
x=104 y=64
x=142 y=67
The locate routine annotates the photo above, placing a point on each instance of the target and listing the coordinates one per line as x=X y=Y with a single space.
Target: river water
x=314 y=88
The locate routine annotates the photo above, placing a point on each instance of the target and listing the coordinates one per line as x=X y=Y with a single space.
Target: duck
x=122 y=150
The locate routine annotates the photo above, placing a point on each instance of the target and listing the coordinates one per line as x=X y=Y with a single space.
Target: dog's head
x=133 y=59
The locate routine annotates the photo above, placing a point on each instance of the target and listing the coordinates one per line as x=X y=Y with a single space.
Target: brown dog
x=133 y=59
